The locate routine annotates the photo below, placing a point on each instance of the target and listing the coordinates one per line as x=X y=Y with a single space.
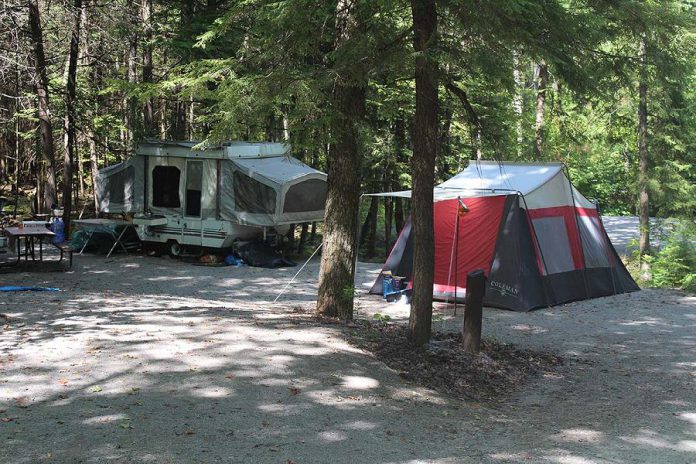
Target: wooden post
x=473 y=312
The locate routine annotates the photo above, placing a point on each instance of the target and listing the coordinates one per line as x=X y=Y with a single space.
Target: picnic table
x=107 y=226
x=30 y=236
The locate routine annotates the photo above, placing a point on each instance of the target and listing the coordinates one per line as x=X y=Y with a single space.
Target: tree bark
x=47 y=185
x=336 y=279
x=337 y=273
x=388 y=214
x=303 y=238
x=70 y=97
x=132 y=77
x=369 y=231
x=369 y=219
x=148 y=107
x=643 y=154
x=423 y=169
x=540 y=125
x=398 y=215
x=518 y=101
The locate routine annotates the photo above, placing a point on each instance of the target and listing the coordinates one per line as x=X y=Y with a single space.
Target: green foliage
x=349 y=292
x=674 y=265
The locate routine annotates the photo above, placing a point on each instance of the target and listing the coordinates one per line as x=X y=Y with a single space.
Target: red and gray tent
x=539 y=241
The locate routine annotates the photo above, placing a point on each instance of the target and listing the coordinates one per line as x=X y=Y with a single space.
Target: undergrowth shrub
x=673 y=264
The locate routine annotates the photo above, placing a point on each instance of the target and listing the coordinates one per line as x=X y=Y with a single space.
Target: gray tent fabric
x=119 y=187
x=270 y=191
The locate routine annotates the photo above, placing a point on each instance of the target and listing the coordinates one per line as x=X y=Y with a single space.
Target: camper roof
x=224 y=150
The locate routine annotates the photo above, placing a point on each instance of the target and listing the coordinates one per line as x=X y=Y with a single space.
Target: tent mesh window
x=120 y=186
x=251 y=196
x=309 y=195
x=165 y=187
x=194 y=187
x=553 y=239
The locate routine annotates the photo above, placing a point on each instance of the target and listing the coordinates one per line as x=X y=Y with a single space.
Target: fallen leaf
x=63 y=381
x=95 y=389
x=229 y=376
x=294 y=391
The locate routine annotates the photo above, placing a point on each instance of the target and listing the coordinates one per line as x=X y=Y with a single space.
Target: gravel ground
x=144 y=360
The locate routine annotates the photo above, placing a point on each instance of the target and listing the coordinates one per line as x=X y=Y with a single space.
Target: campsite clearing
x=150 y=360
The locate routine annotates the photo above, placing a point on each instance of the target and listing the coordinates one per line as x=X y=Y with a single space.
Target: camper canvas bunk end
x=185 y=196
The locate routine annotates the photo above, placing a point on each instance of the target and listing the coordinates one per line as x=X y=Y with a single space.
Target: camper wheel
x=175 y=250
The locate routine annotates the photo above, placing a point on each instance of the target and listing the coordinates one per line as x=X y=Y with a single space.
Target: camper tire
x=174 y=249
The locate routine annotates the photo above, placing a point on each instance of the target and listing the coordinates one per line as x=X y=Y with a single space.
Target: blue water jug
x=387 y=285
x=58 y=228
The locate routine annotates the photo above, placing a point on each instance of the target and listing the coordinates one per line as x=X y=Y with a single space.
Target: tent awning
x=440 y=193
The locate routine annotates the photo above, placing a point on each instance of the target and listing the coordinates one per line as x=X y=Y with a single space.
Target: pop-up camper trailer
x=185 y=196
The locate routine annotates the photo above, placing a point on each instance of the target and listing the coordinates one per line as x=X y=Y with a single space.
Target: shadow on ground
x=149 y=360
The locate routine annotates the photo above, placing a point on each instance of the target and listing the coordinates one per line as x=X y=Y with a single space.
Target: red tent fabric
x=478 y=233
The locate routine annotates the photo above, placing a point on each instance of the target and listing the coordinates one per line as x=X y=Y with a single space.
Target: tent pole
x=357 y=248
x=456 y=255
x=538 y=246
x=449 y=271
x=577 y=228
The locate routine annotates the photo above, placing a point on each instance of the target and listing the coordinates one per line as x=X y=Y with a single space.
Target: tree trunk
x=398 y=215
x=388 y=214
x=291 y=237
x=313 y=232
x=148 y=107
x=336 y=286
x=366 y=226
x=47 y=161
x=423 y=169
x=370 y=228
x=518 y=101
x=70 y=97
x=539 y=127
x=337 y=273
x=400 y=143
x=644 y=158
x=132 y=77
x=93 y=166
x=303 y=238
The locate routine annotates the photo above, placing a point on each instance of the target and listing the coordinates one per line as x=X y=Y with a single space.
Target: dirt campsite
x=141 y=359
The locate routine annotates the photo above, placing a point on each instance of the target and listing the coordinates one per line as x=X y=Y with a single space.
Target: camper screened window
x=194 y=185
x=309 y=195
x=165 y=187
x=251 y=196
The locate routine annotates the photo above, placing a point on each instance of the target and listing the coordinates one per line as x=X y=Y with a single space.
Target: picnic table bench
x=31 y=237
